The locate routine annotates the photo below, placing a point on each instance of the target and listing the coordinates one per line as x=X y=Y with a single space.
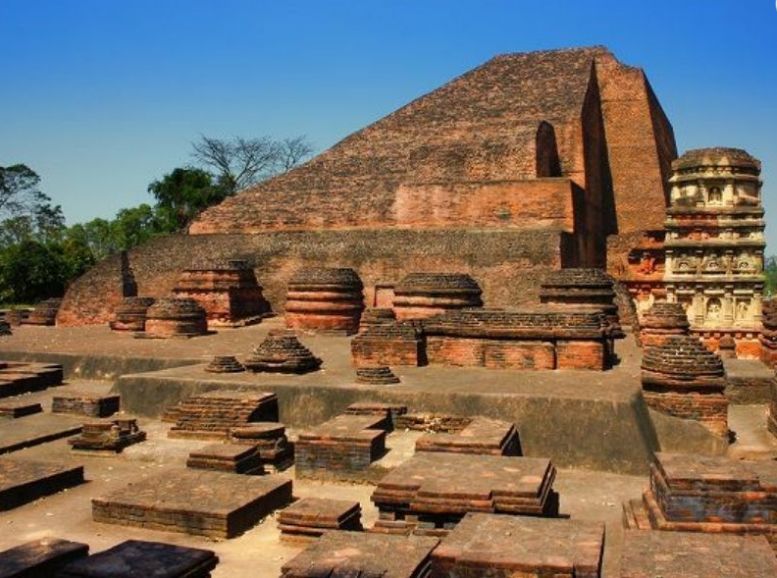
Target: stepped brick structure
x=224 y=364
x=482 y=436
x=108 y=435
x=23 y=481
x=526 y=164
x=688 y=555
x=226 y=505
x=18 y=377
x=771 y=419
x=576 y=289
x=363 y=555
x=421 y=295
x=489 y=546
x=173 y=317
x=345 y=445
x=684 y=379
x=88 y=404
x=230 y=295
x=376 y=316
x=235 y=458
x=313 y=517
x=715 y=244
x=662 y=320
x=378 y=375
x=642 y=270
x=694 y=493
x=388 y=344
x=324 y=299
x=281 y=352
x=40 y=558
x=130 y=314
x=391 y=411
x=269 y=438
x=431 y=492
x=768 y=336
x=44 y=314
x=213 y=415
x=141 y=558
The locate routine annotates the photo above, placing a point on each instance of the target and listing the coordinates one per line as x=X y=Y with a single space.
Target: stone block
x=482 y=436
x=313 y=517
x=40 y=558
x=23 y=481
x=88 y=404
x=108 y=435
x=269 y=438
x=225 y=457
x=214 y=414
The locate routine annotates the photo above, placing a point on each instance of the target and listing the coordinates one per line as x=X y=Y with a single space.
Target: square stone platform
x=482 y=436
x=138 y=559
x=269 y=438
x=234 y=458
x=691 y=555
x=35 y=430
x=16 y=408
x=431 y=492
x=40 y=558
x=17 y=377
x=199 y=502
x=313 y=517
x=212 y=415
x=23 y=481
x=86 y=403
x=358 y=554
x=494 y=546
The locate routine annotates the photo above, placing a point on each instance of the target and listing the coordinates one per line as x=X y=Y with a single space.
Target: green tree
x=182 y=194
x=31 y=271
x=25 y=212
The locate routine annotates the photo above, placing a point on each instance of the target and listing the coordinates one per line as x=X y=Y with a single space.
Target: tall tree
x=183 y=193
x=25 y=212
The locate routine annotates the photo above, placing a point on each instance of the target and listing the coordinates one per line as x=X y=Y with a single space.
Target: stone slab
x=315 y=516
x=192 y=501
x=493 y=546
x=23 y=481
x=34 y=430
x=86 y=404
x=13 y=409
x=691 y=555
x=135 y=558
x=482 y=436
x=349 y=554
x=748 y=381
x=40 y=558
x=235 y=458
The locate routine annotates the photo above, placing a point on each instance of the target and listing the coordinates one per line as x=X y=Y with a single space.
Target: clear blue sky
x=101 y=97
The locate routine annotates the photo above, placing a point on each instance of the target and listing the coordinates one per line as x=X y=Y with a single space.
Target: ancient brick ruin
x=771 y=418
x=174 y=317
x=23 y=481
x=19 y=377
x=662 y=320
x=213 y=415
x=716 y=495
x=684 y=379
x=282 y=352
x=378 y=375
x=224 y=457
x=44 y=313
x=270 y=441
x=322 y=299
x=108 y=435
x=376 y=316
x=44 y=557
x=481 y=436
x=421 y=295
x=768 y=336
x=88 y=404
x=230 y=295
x=224 y=364
x=388 y=344
x=314 y=517
x=130 y=314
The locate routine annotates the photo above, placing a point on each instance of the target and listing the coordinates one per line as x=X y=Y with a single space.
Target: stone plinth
x=490 y=546
x=44 y=313
x=379 y=375
x=140 y=558
x=88 y=404
x=235 y=458
x=540 y=339
x=230 y=295
x=172 y=317
x=388 y=344
x=325 y=299
x=689 y=555
x=482 y=436
x=108 y=435
x=344 y=445
x=25 y=481
x=213 y=415
x=224 y=364
x=662 y=320
x=708 y=494
x=431 y=492
x=17 y=409
x=40 y=558
x=269 y=438
x=582 y=290
x=421 y=295
x=199 y=502
x=684 y=379
x=130 y=314
x=768 y=337
x=314 y=517
x=391 y=411
x=340 y=554
x=376 y=316
x=282 y=352
x=17 y=378
x=432 y=422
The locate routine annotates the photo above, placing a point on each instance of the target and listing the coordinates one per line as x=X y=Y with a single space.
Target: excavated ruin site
x=504 y=331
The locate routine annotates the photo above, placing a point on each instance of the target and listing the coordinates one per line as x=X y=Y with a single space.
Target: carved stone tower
x=715 y=245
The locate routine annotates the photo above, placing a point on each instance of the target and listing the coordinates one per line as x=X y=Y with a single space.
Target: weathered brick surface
x=224 y=457
x=432 y=491
x=108 y=435
x=768 y=337
x=25 y=481
x=490 y=546
x=688 y=555
x=421 y=295
x=387 y=345
x=44 y=313
x=213 y=415
x=141 y=558
x=40 y=558
x=199 y=502
x=772 y=414
x=15 y=409
x=282 y=352
x=130 y=314
x=21 y=377
x=175 y=317
x=269 y=439
x=482 y=436
x=91 y=405
x=662 y=320
x=325 y=299
x=314 y=517
x=362 y=554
